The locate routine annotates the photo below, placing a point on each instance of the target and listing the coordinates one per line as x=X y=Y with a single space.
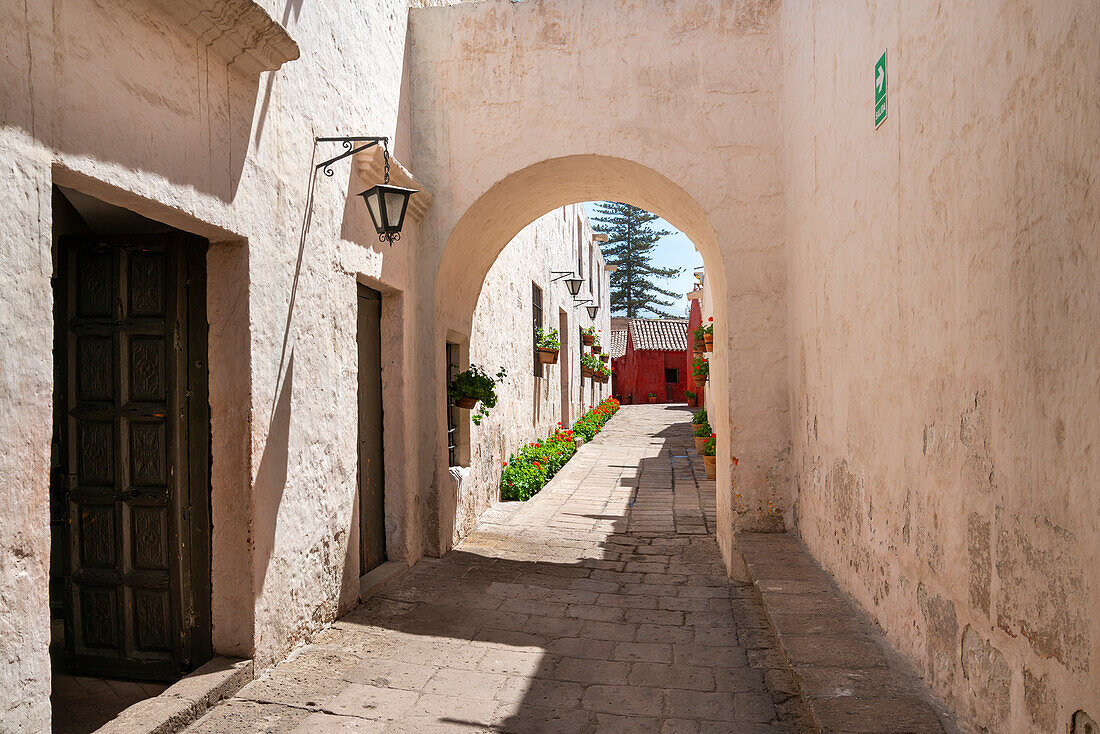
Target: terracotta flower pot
x=604 y=358
x=587 y=339
x=548 y=356
x=708 y=343
x=465 y=403
x=699 y=441
x=585 y=372
x=710 y=466
x=652 y=398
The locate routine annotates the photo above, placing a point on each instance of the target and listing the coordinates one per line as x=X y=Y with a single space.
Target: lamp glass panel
x=373 y=207
x=395 y=208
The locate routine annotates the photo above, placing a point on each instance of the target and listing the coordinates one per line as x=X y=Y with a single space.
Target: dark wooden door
x=372 y=515
x=134 y=453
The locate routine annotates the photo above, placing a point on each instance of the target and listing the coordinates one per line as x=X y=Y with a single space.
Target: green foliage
x=547 y=339
x=591 y=361
x=690 y=395
x=709 y=445
x=702 y=429
x=589 y=330
x=630 y=243
x=700 y=417
x=528 y=470
x=700 y=368
x=591 y=422
x=478 y=384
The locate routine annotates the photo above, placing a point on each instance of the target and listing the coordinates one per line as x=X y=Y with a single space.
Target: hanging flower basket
x=465 y=403
x=699 y=441
x=708 y=343
x=548 y=356
x=710 y=467
x=604 y=357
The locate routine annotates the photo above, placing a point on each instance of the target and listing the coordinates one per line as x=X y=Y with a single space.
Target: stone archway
x=521 y=197
x=523 y=107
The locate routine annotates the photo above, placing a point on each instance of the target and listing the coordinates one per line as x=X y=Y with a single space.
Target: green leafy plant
x=709 y=445
x=528 y=470
x=593 y=421
x=591 y=361
x=700 y=430
x=700 y=368
x=653 y=395
x=478 y=384
x=690 y=395
x=700 y=417
x=547 y=339
x=589 y=330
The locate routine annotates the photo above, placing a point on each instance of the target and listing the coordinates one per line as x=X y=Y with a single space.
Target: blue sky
x=674 y=251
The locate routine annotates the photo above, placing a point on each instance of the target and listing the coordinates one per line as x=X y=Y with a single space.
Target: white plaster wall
x=521 y=107
x=121 y=102
x=529 y=407
x=944 y=323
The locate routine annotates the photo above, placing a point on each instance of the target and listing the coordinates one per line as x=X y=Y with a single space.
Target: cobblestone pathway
x=601 y=605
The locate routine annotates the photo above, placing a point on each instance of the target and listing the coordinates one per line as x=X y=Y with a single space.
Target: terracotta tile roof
x=618 y=343
x=666 y=335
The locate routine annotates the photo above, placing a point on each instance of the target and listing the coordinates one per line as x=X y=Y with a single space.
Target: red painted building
x=695 y=320
x=649 y=356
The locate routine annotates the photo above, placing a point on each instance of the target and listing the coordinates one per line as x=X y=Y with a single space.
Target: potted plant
x=652 y=397
x=708 y=456
x=548 y=345
x=691 y=398
x=700 y=432
x=588 y=335
x=700 y=370
x=708 y=336
x=473 y=385
x=596 y=347
x=604 y=357
x=700 y=340
x=589 y=364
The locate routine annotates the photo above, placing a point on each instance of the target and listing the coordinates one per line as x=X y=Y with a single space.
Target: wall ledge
x=239 y=31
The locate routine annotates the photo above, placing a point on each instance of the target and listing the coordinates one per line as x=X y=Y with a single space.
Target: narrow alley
x=599 y=605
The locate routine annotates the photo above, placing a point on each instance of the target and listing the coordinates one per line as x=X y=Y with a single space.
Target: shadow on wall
x=271 y=479
x=196 y=113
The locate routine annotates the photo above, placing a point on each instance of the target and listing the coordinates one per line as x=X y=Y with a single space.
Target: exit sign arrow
x=880 y=90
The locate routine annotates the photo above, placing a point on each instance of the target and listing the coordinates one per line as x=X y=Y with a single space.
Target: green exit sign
x=880 y=90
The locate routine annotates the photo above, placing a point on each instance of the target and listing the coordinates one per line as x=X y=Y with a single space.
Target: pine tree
x=629 y=246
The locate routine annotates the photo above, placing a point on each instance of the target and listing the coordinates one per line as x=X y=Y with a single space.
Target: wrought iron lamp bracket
x=560 y=274
x=351 y=147
x=581 y=303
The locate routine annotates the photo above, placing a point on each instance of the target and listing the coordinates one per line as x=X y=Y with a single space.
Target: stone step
x=850 y=678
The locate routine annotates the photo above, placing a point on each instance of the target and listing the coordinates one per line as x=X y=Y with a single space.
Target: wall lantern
x=592 y=311
x=573 y=284
x=387 y=204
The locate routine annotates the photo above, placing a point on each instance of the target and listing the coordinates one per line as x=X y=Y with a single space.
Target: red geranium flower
x=711 y=319
x=714 y=435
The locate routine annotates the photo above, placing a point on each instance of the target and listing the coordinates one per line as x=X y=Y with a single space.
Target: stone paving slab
x=600 y=605
x=850 y=678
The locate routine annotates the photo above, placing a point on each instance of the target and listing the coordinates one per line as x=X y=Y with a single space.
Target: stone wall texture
x=943 y=324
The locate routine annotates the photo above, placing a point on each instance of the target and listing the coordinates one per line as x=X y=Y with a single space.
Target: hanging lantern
x=387 y=206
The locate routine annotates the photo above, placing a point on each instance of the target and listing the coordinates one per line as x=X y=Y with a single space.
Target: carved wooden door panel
x=372 y=515
x=134 y=453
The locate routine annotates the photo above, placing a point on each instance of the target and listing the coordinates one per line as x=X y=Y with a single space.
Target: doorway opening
x=130 y=469
x=372 y=472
